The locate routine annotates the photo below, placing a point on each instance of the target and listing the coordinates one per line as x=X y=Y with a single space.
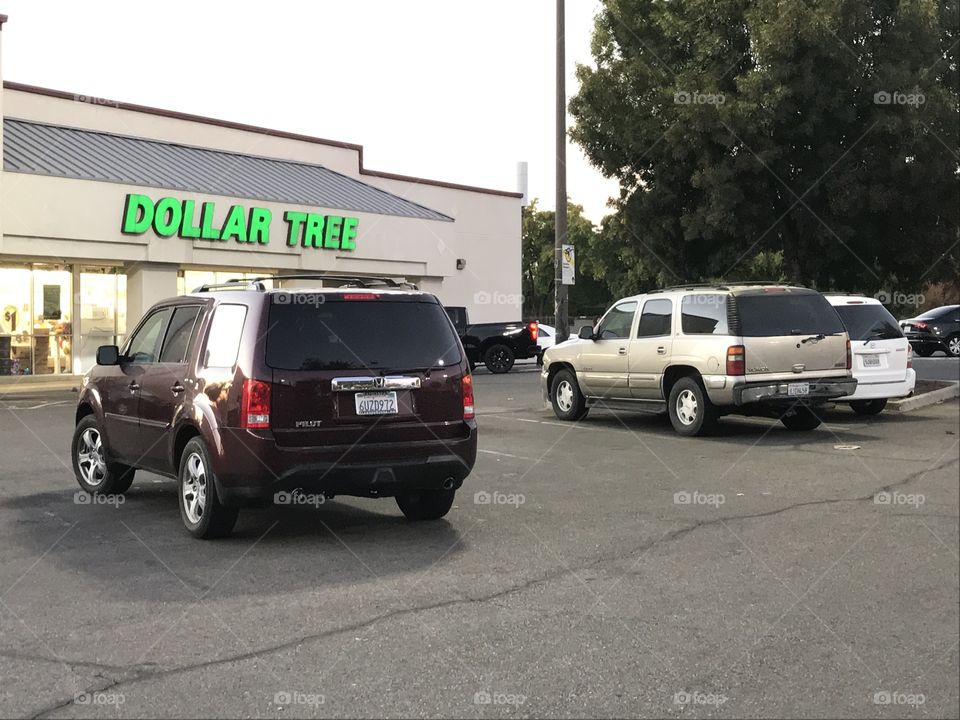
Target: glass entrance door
x=103 y=305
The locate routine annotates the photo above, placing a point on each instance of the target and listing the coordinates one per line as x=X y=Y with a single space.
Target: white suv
x=882 y=356
x=700 y=352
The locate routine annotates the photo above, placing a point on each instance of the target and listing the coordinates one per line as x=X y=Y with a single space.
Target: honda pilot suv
x=244 y=392
x=699 y=352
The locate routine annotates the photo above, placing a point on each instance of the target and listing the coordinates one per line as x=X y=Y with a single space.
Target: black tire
x=95 y=472
x=953 y=345
x=499 y=358
x=691 y=412
x=426 y=504
x=214 y=519
x=868 y=407
x=923 y=351
x=566 y=398
x=800 y=418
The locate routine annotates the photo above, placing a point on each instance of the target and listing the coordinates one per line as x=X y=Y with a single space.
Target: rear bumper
x=779 y=391
x=250 y=466
x=875 y=391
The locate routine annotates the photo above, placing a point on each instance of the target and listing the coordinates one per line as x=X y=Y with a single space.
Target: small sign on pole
x=569 y=265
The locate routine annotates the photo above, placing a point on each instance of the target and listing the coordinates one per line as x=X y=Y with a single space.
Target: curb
x=14 y=389
x=929 y=398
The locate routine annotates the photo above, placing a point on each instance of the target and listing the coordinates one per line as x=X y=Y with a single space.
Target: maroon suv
x=245 y=394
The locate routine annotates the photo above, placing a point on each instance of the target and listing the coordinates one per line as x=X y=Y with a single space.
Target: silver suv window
x=704 y=314
x=656 y=318
x=618 y=322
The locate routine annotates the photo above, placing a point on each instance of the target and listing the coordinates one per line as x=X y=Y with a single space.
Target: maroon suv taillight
x=736 y=360
x=468 y=413
x=849 y=356
x=534 y=328
x=255 y=404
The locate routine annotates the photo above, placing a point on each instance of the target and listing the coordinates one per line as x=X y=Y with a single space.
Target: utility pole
x=560 y=290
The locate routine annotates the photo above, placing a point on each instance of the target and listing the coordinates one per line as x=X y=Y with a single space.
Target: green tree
x=816 y=140
x=588 y=295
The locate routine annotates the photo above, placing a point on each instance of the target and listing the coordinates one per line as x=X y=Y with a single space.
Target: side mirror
x=586 y=333
x=108 y=355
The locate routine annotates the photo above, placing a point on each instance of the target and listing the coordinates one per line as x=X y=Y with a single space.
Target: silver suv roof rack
x=725 y=285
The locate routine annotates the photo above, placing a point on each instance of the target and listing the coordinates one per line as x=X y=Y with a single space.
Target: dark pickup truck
x=496 y=345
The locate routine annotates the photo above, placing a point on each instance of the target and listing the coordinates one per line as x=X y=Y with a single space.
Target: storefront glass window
x=190 y=280
x=16 y=348
x=52 y=320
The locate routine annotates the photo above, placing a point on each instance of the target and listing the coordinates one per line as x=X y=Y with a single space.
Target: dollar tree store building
x=106 y=208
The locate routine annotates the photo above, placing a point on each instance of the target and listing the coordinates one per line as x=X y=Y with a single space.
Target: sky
x=450 y=90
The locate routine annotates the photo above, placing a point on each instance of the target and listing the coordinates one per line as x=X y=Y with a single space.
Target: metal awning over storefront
x=60 y=151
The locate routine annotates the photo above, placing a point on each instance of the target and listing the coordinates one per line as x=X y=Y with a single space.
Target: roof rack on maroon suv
x=257 y=283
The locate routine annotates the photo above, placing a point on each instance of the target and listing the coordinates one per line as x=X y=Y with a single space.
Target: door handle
x=661 y=351
x=177 y=388
x=134 y=386
x=622 y=351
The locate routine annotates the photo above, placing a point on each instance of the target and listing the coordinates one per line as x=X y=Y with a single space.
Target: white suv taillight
x=255 y=404
x=909 y=356
x=468 y=413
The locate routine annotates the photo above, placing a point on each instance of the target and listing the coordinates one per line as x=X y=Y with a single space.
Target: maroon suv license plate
x=376 y=403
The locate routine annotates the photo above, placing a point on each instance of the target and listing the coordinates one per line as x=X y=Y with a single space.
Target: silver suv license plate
x=376 y=403
x=798 y=389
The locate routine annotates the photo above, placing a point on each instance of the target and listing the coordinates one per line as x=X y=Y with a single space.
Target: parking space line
x=503 y=454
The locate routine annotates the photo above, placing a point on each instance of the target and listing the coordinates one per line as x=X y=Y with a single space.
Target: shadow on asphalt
x=730 y=429
x=129 y=547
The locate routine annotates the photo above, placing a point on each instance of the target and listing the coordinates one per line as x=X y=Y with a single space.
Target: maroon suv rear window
x=360 y=335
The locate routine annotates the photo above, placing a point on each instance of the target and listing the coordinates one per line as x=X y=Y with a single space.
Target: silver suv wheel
x=687 y=407
x=564 y=395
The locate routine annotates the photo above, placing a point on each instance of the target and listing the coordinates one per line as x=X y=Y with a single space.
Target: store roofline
x=176 y=115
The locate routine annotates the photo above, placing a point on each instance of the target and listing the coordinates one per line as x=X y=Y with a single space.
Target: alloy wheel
x=90 y=460
x=564 y=395
x=687 y=407
x=954 y=346
x=194 y=488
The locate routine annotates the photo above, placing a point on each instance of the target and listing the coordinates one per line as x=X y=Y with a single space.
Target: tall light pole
x=560 y=290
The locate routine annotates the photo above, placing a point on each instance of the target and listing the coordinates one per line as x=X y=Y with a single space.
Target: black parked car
x=937 y=329
x=496 y=345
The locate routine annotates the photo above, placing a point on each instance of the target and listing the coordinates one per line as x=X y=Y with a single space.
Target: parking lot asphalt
x=937 y=368
x=606 y=568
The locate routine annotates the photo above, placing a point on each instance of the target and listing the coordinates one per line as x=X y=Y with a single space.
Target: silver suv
x=699 y=352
